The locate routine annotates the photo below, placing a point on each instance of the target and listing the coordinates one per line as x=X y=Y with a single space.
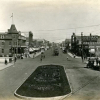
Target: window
x=2 y=36
x=2 y=43
x=16 y=43
x=2 y=50
x=9 y=50
x=9 y=42
x=14 y=36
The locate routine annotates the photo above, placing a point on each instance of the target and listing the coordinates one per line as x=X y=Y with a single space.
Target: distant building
x=30 y=38
x=12 y=42
x=88 y=42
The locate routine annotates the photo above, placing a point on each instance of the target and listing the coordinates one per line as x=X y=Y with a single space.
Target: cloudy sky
x=54 y=20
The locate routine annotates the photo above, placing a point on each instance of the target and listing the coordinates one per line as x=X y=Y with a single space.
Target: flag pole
x=12 y=19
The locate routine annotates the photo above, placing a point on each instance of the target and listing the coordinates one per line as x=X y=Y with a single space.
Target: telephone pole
x=82 y=42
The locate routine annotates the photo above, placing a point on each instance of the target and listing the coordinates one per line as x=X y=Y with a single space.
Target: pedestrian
x=85 y=56
x=41 y=56
x=6 y=61
x=97 y=61
x=33 y=55
x=10 y=60
x=74 y=55
x=82 y=58
x=15 y=59
x=67 y=58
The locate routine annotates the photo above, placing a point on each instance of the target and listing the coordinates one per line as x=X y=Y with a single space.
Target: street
x=84 y=82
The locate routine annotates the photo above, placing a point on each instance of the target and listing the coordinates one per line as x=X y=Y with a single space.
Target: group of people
x=93 y=62
x=42 y=56
x=97 y=61
x=10 y=60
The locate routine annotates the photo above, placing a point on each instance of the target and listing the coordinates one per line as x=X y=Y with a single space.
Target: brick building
x=12 y=42
x=84 y=42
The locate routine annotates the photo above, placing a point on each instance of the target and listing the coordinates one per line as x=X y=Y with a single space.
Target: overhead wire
x=61 y=29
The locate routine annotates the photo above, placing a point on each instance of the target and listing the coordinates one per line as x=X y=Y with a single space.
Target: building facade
x=82 y=43
x=12 y=42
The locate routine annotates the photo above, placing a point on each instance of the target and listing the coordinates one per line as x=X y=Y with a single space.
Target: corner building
x=12 y=42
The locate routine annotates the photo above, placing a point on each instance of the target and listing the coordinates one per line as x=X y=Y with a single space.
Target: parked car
x=94 y=62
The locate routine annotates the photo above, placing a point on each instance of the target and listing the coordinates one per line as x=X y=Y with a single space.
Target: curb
x=6 y=67
x=72 y=55
x=35 y=55
x=69 y=85
x=45 y=98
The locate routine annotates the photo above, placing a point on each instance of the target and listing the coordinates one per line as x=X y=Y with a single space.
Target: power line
x=95 y=31
x=69 y=28
x=61 y=29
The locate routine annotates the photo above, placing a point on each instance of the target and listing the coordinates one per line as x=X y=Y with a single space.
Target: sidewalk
x=3 y=66
x=37 y=54
x=73 y=55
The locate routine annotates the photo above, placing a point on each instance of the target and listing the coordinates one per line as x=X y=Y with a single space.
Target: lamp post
x=82 y=42
x=90 y=44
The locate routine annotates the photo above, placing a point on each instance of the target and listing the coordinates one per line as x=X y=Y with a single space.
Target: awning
x=92 y=51
x=30 y=50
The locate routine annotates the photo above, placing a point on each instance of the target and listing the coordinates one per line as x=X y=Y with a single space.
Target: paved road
x=84 y=82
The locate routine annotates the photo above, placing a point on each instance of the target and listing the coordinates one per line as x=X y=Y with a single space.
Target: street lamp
x=82 y=42
x=90 y=43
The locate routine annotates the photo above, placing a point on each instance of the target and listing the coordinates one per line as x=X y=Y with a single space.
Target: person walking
x=42 y=56
x=82 y=58
x=74 y=55
x=6 y=61
x=34 y=55
x=14 y=59
x=97 y=61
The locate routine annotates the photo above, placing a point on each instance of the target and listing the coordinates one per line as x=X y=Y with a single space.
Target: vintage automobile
x=55 y=52
x=93 y=62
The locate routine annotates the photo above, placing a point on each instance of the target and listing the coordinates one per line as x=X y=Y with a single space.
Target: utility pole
x=82 y=42
x=17 y=48
x=90 y=44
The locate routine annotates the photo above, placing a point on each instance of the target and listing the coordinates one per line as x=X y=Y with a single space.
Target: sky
x=53 y=20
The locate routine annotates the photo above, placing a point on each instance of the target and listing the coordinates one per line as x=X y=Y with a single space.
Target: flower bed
x=45 y=81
